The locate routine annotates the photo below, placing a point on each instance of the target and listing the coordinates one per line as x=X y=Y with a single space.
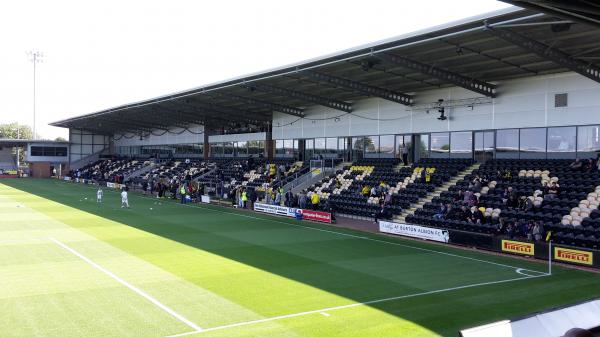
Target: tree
x=60 y=139
x=15 y=131
x=363 y=143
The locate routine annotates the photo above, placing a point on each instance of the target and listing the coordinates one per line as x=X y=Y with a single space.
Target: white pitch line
x=353 y=305
x=130 y=286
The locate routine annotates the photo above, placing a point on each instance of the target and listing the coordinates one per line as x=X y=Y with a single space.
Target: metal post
x=18 y=147
x=550 y=257
x=35 y=57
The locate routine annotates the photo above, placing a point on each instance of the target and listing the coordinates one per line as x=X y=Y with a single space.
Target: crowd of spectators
x=466 y=205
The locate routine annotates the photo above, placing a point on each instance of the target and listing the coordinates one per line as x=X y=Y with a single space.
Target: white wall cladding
x=527 y=102
x=196 y=136
x=241 y=137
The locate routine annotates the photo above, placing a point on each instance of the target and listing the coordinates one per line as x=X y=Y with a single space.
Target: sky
x=100 y=54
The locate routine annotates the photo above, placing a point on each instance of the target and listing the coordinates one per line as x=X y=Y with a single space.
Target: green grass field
x=72 y=267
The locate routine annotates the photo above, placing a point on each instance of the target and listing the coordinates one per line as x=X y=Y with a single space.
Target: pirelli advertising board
x=573 y=256
x=517 y=247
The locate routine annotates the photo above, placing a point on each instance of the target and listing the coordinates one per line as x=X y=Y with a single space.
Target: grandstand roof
x=473 y=53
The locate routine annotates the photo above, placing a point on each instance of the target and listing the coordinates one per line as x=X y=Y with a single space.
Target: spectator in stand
x=387 y=200
x=244 y=198
x=500 y=227
x=472 y=200
x=314 y=200
x=181 y=193
x=381 y=213
x=538 y=231
x=507 y=175
x=522 y=205
x=441 y=214
x=277 y=200
x=477 y=216
x=510 y=231
x=405 y=154
x=366 y=190
x=467 y=196
x=512 y=201
x=552 y=191
x=458 y=197
x=302 y=200
x=289 y=198
x=463 y=214
x=576 y=165
x=475 y=183
x=373 y=191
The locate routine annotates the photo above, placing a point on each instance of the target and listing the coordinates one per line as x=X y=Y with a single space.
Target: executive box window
x=320 y=146
x=461 y=144
x=256 y=147
x=532 y=143
x=507 y=143
x=386 y=146
x=216 y=149
x=588 y=141
x=562 y=142
x=49 y=151
x=242 y=148
x=440 y=145
x=279 y=148
x=331 y=145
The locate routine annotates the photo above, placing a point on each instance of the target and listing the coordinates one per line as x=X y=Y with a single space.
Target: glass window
x=342 y=143
x=588 y=141
x=371 y=146
x=532 y=143
x=399 y=144
x=332 y=145
x=228 y=148
x=561 y=139
x=216 y=149
x=386 y=146
x=561 y=142
x=309 y=148
x=461 y=144
x=507 y=143
x=422 y=142
x=319 y=145
x=279 y=149
x=242 y=148
x=440 y=144
x=288 y=146
x=256 y=147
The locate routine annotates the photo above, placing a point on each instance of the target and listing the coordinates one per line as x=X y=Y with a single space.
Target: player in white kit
x=124 y=201
x=99 y=194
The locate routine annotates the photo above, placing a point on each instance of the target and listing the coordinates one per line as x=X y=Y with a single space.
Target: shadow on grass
x=356 y=269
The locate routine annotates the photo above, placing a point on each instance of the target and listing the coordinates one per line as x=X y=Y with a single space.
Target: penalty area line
x=129 y=285
x=325 y=311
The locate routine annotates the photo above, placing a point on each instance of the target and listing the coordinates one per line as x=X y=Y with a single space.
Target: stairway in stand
x=436 y=193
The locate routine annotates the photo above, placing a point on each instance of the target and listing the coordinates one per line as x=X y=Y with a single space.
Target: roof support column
x=206 y=150
x=269 y=143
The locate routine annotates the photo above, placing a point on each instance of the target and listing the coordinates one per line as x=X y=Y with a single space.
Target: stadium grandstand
x=482 y=134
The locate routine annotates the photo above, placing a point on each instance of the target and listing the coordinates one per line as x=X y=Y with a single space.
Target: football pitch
x=72 y=267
